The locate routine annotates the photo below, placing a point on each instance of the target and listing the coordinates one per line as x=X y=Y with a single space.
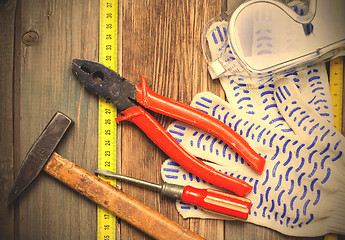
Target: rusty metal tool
x=212 y=200
x=42 y=156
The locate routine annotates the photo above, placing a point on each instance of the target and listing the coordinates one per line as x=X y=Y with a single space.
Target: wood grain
x=44 y=84
x=158 y=39
x=7 y=18
x=162 y=41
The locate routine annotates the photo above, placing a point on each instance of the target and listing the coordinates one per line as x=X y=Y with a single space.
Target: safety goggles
x=263 y=38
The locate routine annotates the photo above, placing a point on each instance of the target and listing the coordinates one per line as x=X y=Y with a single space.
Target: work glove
x=287 y=120
x=301 y=190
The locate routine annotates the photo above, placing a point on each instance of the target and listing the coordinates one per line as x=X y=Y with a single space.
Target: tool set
x=133 y=101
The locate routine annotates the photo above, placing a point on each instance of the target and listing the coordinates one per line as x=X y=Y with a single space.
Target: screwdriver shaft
x=129 y=179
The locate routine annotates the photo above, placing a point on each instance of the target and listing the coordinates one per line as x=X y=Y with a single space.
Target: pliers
x=128 y=97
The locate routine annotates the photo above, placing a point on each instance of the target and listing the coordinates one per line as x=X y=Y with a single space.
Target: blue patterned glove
x=289 y=122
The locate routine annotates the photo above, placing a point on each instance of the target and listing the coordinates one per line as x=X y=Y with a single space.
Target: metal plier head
x=105 y=83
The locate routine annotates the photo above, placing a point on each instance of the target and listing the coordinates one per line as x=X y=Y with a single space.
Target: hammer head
x=39 y=154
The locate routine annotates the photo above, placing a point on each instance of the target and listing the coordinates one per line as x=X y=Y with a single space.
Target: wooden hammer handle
x=125 y=207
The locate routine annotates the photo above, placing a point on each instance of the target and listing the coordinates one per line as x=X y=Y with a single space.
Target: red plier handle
x=185 y=113
x=160 y=136
x=188 y=114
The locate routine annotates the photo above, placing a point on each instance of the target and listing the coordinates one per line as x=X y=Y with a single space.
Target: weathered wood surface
x=160 y=40
x=43 y=84
x=7 y=14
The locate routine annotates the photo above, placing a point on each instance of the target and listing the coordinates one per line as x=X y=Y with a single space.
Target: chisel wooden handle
x=125 y=207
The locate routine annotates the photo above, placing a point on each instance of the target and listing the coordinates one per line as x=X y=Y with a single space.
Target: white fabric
x=301 y=191
x=287 y=120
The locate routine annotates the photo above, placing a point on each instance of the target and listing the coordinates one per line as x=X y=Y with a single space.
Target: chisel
x=208 y=199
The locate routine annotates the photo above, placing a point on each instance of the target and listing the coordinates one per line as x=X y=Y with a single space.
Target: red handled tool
x=128 y=97
x=208 y=199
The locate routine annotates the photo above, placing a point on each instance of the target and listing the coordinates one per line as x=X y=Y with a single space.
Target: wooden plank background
x=160 y=40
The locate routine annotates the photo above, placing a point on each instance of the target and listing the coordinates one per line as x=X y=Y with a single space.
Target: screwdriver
x=208 y=199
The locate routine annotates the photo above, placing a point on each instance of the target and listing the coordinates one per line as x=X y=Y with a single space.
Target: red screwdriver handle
x=218 y=202
x=172 y=108
x=171 y=147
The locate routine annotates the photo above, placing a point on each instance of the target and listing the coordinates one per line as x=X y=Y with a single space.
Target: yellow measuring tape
x=336 y=76
x=108 y=31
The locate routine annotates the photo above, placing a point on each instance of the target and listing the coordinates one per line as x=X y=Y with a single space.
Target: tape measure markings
x=336 y=78
x=336 y=89
x=107 y=131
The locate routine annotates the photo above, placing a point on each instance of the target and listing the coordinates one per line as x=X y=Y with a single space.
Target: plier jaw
x=105 y=83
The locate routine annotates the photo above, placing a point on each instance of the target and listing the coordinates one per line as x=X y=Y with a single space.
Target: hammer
x=42 y=155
